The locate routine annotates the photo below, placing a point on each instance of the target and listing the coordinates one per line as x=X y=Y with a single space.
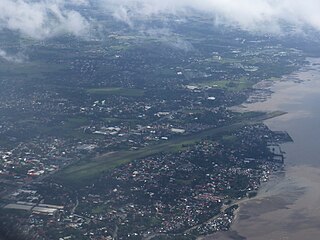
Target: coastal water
x=288 y=206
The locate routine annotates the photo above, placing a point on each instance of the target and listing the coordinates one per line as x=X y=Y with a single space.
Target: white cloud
x=42 y=18
x=45 y=18
x=253 y=15
x=18 y=58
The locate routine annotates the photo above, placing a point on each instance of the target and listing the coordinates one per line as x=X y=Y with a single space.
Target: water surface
x=288 y=206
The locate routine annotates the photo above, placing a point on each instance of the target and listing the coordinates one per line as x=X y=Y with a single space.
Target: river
x=288 y=206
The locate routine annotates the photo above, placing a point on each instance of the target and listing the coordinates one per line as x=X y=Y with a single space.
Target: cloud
x=251 y=15
x=18 y=58
x=40 y=19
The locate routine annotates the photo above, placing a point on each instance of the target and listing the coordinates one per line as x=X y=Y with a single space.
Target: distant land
x=132 y=135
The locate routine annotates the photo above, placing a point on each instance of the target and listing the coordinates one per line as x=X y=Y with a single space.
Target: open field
x=239 y=85
x=85 y=170
x=28 y=70
x=128 y=92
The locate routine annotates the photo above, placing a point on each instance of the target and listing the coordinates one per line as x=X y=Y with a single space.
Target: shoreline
x=270 y=198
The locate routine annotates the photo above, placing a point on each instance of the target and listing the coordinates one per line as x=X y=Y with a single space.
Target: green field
x=28 y=70
x=69 y=128
x=128 y=92
x=86 y=170
x=241 y=84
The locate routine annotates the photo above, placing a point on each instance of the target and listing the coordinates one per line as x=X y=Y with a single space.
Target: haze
x=41 y=19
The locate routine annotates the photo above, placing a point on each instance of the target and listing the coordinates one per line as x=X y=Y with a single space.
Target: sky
x=40 y=19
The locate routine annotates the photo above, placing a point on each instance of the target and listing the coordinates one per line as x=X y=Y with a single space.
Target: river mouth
x=287 y=207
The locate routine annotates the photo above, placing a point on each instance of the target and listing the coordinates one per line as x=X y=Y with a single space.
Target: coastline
x=291 y=196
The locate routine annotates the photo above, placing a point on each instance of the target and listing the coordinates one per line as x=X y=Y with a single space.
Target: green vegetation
x=229 y=138
x=68 y=128
x=85 y=170
x=29 y=70
x=128 y=92
x=99 y=209
x=239 y=85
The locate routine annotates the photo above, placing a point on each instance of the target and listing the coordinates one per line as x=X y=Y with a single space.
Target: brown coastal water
x=288 y=206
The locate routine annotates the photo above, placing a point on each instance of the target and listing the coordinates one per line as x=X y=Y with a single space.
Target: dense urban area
x=132 y=135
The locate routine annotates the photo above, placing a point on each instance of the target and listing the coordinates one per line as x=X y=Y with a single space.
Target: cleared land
x=128 y=92
x=240 y=85
x=85 y=170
